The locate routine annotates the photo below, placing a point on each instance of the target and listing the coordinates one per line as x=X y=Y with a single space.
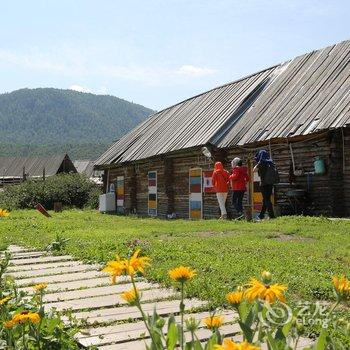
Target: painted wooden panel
x=152 y=193
x=195 y=194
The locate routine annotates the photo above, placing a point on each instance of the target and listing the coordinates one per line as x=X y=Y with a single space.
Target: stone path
x=110 y=324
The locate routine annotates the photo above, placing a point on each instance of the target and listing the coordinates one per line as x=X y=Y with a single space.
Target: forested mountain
x=48 y=121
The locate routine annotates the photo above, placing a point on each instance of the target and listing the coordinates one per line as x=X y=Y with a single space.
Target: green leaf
x=321 y=341
x=172 y=336
x=247 y=331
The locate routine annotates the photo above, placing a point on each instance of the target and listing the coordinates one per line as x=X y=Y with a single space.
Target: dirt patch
x=295 y=238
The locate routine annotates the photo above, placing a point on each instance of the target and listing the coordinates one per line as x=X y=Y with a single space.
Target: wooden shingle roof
x=298 y=97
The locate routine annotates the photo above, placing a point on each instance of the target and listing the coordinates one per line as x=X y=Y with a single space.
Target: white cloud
x=80 y=64
x=79 y=88
x=189 y=70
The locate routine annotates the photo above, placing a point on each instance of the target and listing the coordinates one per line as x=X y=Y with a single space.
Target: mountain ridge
x=47 y=121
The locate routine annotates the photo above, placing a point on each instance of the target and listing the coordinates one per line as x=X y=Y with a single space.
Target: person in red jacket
x=238 y=181
x=220 y=180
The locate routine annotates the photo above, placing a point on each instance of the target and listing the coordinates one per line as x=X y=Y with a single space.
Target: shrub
x=73 y=190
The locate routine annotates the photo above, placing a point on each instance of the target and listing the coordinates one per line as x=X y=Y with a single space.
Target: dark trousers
x=266 y=191
x=237 y=200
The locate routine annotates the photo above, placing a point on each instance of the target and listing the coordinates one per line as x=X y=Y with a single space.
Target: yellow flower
x=130 y=296
x=269 y=293
x=40 y=286
x=135 y=264
x=213 y=322
x=4 y=300
x=228 y=344
x=4 y=213
x=235 y=298
x=342 y=287
x=182 y=274
x=23 y=317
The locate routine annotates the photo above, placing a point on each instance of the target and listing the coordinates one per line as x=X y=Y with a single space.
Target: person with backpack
x=238 y=181
x=268 y=174
x=220 y=180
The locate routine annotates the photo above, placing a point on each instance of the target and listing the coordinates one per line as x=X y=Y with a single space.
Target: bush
x=73 y=190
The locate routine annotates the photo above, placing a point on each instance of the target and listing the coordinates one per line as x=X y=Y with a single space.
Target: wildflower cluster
x=253 y=302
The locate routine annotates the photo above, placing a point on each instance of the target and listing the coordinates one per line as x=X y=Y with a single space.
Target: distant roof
x=84 y=166
x=13 y=166
x=307 y=94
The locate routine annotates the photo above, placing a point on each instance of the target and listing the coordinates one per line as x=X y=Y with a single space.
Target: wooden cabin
x=298 y=110
x=14 y=170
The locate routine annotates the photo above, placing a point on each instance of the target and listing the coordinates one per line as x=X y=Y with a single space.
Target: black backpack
x=271 y=176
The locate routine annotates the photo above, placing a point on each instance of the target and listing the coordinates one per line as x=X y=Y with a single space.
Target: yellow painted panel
x=152 y=204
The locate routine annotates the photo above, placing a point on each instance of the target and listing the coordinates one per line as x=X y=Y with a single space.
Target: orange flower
x=228 y=344
x=22 y=318
x=135 y=264
x=235 y=298
x=40 y=286
x=130 y=296
x=182 y=274
x=4 y=213
x=213 y=322
x=342 y=287
x=269 y=293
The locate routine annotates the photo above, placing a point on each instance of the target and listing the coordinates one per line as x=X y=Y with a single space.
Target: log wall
x=328 y=194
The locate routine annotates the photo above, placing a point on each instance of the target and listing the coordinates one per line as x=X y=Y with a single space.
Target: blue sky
x=154 y=52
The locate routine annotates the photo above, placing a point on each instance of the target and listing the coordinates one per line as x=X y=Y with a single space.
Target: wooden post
x=43 y=173
x=24 y=175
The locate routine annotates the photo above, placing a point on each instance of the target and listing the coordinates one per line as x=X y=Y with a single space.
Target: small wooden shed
x=298 y=110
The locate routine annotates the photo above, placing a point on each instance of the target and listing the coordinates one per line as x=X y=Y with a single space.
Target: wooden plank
x=38 y=266
x=202 y=334
x=125 y=332
x=40 y=260
x=53 y=271
x=80 y=284
x=131 y=312
x=25 y=255
x=96 y=291
x=59 y=278
x=99 y=302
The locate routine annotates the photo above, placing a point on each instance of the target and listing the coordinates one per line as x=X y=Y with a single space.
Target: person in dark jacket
x=238 y=181
x=263 y=165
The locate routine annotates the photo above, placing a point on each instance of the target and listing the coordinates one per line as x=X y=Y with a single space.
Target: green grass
x=301 y=252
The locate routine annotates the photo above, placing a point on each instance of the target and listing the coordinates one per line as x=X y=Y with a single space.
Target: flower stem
x=182 y=306
x=138 y=305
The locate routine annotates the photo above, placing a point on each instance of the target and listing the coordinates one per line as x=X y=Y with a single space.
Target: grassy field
x=301 y=252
